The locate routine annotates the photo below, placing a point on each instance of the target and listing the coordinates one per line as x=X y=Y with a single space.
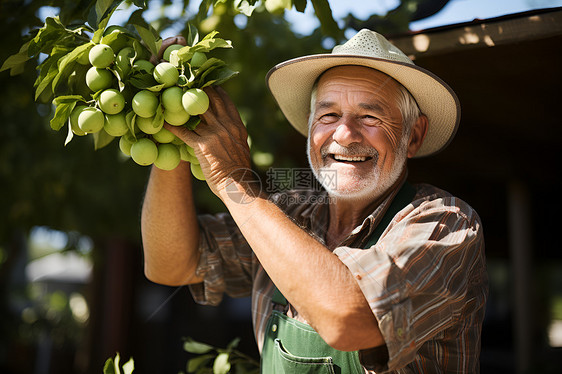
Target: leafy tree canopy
x=99 y=193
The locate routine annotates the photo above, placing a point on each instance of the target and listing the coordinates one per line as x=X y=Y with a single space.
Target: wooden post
x=520 y=221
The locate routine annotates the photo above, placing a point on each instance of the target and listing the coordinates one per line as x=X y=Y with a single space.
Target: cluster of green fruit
x=101 y=80
x=138 y=122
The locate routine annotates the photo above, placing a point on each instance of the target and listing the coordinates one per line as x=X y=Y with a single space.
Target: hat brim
x=291 y=85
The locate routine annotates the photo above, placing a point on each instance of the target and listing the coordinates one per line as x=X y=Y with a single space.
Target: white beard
x=367 y=188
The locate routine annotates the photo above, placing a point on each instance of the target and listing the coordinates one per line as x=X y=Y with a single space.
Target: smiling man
x=382 y=276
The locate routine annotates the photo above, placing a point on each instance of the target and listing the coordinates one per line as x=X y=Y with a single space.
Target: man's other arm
x=170 y=232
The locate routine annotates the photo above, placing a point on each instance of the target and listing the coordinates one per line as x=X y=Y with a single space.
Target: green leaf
x=51 y=32
x=244 y=7
x=101 y=139
x=219 y=76
x=142 y=80
x=130 y=119
x=233 y=344
x=66 y=63
x=109 y=368
x=64 y=106
x=207 y=45
x=191 y=124
x=16 y=62
x=70 y=134
x=141 y=3
x=192 y=35
x=129 y=366
x=300 y=5
x=102 y=6
x=204 y=9
x=51 y=73
x=147 y=33
x=158 y=119
x=198 y=362
x=324 y=14
x=191 y=345
x=221 y=364
x=116 y=363
x=100 y=13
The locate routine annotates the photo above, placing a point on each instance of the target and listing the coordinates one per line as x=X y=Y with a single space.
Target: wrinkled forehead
x=371 y=83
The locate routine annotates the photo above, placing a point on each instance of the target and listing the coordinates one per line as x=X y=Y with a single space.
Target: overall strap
x=404 y=197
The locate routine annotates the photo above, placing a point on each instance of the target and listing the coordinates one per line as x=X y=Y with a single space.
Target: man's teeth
x=346 y=158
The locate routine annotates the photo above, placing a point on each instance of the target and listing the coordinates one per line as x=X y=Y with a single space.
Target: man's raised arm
x=170 y=232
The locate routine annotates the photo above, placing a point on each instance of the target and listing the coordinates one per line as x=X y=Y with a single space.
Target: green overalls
x=293 y=347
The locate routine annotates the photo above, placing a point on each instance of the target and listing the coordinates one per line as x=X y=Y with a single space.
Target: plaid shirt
x=425 y=279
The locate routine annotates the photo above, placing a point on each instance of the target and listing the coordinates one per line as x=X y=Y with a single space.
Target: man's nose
x=347 y=132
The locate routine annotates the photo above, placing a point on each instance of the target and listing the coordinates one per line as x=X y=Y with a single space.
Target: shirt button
x=358 y=277
x=274 y=328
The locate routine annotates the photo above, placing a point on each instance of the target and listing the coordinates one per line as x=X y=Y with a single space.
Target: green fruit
x=115 y=124
x=164 y=136
x=125 y=144
x=149 y=125
x=98 y=79
x=91 y=120
x=74 y=120
x=111 y=101
x=145 y=103
x=197 y=172
x=168 y=157
x=171 y=98
x=167 y=51
x=144 y=152
x=195 y=101
x=84 y=58
x=176 y=118
x=166 y=74
x=143 y=65
x=186 y=155
x=198 y=59
x=101 y=56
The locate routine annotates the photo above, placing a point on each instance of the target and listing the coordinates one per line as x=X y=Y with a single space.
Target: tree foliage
x=98 y=192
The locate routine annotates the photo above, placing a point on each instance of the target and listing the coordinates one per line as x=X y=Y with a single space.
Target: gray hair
x=407 y=105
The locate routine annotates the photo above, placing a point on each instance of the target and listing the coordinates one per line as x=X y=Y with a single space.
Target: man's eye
x=371 y=119
x=329 y=117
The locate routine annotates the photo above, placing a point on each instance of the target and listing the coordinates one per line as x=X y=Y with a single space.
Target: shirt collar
x=318 y=218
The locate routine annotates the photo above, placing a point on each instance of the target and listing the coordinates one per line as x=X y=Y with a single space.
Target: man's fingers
x=186 y=135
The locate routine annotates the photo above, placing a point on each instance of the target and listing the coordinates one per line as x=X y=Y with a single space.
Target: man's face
x=356 y=133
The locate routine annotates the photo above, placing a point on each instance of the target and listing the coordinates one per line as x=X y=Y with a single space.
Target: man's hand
x=219 y=141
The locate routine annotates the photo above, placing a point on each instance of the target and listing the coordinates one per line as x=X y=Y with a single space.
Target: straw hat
x=291 y=85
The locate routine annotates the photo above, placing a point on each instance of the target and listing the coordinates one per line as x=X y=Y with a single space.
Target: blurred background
x=72 y=289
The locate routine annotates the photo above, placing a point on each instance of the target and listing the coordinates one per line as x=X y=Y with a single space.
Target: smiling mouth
x=341 y=158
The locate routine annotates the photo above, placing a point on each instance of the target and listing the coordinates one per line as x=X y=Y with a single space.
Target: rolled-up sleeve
x=420 y=278
x=226 y=261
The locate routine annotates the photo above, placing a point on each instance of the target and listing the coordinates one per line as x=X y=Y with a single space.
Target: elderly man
x=380 y=276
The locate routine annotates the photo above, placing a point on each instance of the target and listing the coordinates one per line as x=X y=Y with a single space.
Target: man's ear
x=419 y=130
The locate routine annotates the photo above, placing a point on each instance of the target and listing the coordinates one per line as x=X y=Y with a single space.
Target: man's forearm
x=312 y=278
x=170 y=233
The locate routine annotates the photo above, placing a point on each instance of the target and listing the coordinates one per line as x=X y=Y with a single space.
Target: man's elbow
x=171 y=278
x=354 y=336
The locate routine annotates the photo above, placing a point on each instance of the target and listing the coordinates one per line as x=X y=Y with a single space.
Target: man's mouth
x=342 y=158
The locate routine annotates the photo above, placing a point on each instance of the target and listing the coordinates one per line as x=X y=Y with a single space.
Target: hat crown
x=371 y=44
